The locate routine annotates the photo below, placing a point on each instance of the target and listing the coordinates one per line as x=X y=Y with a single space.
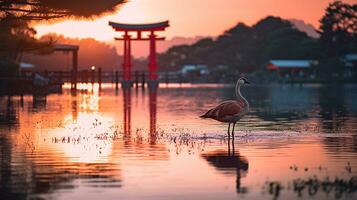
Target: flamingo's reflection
x=8 y=115
x=227 y=161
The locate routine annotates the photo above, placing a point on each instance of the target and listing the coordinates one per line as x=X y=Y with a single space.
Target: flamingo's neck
x=240 y=97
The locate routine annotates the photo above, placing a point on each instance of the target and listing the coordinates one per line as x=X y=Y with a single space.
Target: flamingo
x=230 y=111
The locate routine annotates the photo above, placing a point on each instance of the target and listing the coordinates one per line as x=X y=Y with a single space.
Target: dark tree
x=270 y=24
x=338 y=28
x=17 y=17
x=55 y=9
x=245 y=49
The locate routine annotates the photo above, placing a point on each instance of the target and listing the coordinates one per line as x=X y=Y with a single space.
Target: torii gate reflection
x=127 y=112
x=152 y=110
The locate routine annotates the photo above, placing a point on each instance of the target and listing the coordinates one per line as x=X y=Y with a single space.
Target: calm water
x=297 y=142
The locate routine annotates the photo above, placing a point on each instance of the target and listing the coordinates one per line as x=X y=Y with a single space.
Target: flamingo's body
x=230 y=111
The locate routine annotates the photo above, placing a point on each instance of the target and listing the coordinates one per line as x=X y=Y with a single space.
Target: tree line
x=246 y=49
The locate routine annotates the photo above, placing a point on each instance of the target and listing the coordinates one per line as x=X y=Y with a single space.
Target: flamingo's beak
x=247 y=82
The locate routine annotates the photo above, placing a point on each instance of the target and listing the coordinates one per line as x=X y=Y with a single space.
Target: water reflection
x=8 y=113
x=127 y=112
x=332 y=107
x=29 y=175
x=117 y=143
x=152 y=108
x=283 y=102
x=314 y=108
x=74 y=144
x=39 y=103
x=127 y=104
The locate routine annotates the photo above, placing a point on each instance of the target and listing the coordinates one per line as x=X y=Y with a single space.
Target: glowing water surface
x=151 y=144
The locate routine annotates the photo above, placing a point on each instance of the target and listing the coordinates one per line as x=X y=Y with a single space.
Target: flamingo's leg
x=229 y=126
x=229 y=139
x=234 y=124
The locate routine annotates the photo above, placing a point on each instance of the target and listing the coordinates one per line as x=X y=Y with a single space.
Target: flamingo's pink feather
x=225 y=109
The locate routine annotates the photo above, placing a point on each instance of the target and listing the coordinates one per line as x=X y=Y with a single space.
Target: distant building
x=222 y=67
x=351 y=57
x=350 y=61
x=192 y=69
x=292 y=67
x=26 y=66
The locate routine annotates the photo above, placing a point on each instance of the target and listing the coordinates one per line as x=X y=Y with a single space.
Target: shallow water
x=141 y=144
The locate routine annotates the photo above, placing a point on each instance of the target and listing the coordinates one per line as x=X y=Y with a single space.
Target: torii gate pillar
x=152 y=61
x=127 y=60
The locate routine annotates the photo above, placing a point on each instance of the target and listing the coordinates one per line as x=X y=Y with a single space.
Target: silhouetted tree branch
x=17 y=36
x=64 y=8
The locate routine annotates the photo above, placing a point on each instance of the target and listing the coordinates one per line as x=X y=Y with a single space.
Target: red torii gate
x=139 y=28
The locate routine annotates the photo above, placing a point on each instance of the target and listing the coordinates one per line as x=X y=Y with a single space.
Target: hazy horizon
x=141 y=49
x=207 y=20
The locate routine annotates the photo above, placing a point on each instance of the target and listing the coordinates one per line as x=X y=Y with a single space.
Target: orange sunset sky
x=190 y=18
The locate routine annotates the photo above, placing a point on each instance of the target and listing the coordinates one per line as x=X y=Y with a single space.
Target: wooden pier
x=95 y=75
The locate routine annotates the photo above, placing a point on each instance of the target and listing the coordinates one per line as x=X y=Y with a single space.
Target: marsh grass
x=334 y=187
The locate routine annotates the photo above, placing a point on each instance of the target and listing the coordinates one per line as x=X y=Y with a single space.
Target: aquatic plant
x=313 y=185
